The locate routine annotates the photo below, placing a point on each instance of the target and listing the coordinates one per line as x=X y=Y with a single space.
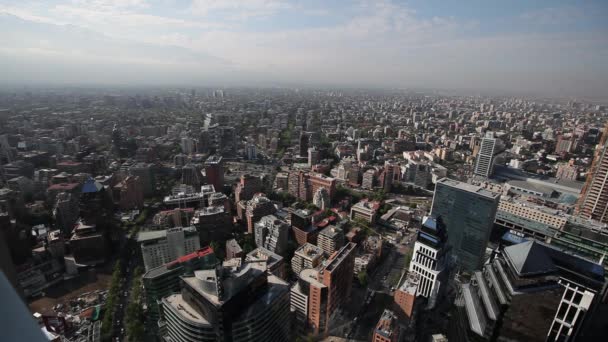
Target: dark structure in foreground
x=528 y=292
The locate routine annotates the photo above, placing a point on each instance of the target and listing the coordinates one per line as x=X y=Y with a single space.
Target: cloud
x=238 y=9
x=554 y=15
x=379 y=43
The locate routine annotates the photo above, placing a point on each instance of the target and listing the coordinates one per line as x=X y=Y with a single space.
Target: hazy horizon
x=554 y=48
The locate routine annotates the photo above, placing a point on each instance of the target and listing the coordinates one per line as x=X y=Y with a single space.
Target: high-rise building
x=258 y=207
x=330 y=239
x=304 y=143
x=405 y=295
x=188 y=145
x=233 y=249
x=368 y=179
x=321 y=199
x=163 y=280
x=593 y=203
x=303 y=185
x=213 y=224
x=145 y=172
x=564 y=144
x=387 y=328
x=430 y=258
x=248 y=186
x=272 y=233
x=313 y=156
x=468 y=212
x=159 y=247
x=485 y=158
x=129 y=193
x=214 y=171
x=306 y=256
x=274 y=262
x=6 y=261
x=320 y=292
x=528 y=292
x=251 y=151
x=237 y=302
x=65 y=211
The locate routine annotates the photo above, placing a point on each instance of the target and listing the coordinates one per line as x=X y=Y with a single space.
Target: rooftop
x=150 y=235
x=468 y=188
x=309 y=250
x=177 y=303
x=214 y=159
x=311 y=276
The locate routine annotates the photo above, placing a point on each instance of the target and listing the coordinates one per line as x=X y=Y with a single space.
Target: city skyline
x=546 y=48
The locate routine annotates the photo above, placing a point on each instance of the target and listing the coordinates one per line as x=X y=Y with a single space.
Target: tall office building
x=272 y=233
x=237 y=302
x=214 y=171
x=430 y=258
x=593 y=203
x=468 y=212
x=159 y=247
x=529 y=292
x=164 y=280
x=318 y=293
x=484 y=165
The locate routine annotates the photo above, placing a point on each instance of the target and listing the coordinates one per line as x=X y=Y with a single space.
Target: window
x=571 y=314
x=562 y=311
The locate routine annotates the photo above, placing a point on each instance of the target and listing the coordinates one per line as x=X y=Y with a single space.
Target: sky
x=549 y=47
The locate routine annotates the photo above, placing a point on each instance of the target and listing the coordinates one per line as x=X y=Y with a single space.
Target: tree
x=362 y=276
x=218 y=248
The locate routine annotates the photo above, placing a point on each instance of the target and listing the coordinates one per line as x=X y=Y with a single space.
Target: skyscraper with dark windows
x=468 y=211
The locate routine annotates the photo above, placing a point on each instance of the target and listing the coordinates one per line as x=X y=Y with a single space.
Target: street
x=129 y=260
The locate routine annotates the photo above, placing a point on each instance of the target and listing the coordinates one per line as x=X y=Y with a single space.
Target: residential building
x=274 y=262
x=468 y=212
x=320 y=292
x=129 y=193
x=88 y=245
x=405 y=295
x=272 y=233
x=387 y=328
x=321 y=199
x=330 y=239
x=233 y=249
x=214 y=171
x=368 y=179
x=594 y=198
x=159 y=247
x=247 y=187
x=258 y=207
x=484 y=165
x=306 y=256
x=213 y=224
